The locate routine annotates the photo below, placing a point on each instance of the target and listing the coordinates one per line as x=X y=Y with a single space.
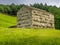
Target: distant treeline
x=12 y=10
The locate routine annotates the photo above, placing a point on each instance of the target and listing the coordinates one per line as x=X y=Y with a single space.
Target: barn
x=30 y=17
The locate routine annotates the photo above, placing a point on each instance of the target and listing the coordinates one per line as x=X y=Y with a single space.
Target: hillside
x=7 y=21
x=29 y=36
x=23 y=36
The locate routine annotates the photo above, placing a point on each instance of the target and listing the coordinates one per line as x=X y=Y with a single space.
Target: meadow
x=7 y=21
x=25 y=36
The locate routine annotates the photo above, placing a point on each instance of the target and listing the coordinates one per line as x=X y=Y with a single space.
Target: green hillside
x=7 y=21
x=24 y=36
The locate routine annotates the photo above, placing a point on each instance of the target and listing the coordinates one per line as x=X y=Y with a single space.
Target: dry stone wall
x=24 y=18
x=42 y=19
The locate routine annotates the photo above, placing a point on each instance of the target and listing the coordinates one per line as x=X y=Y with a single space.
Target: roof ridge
x=33 y=7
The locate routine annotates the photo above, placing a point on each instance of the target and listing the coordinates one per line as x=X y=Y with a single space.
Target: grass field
x=7 y=21
x=29 y=36
x=23 y=36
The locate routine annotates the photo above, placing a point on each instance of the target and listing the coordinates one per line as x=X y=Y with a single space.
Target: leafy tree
x=1 y=9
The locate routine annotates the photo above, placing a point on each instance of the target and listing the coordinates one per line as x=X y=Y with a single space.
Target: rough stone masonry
x=30 y=17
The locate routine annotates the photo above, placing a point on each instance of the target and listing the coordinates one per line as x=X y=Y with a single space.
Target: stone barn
x=30 y=17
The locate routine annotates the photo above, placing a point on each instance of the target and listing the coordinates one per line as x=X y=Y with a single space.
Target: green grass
x=7 y=21
x=23 y=36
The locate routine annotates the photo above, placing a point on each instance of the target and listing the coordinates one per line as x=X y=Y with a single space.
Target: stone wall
x=24 y=18
x=42 y=19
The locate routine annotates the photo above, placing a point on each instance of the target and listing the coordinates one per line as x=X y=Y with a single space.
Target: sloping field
x=7 y=21
x=24 y=36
